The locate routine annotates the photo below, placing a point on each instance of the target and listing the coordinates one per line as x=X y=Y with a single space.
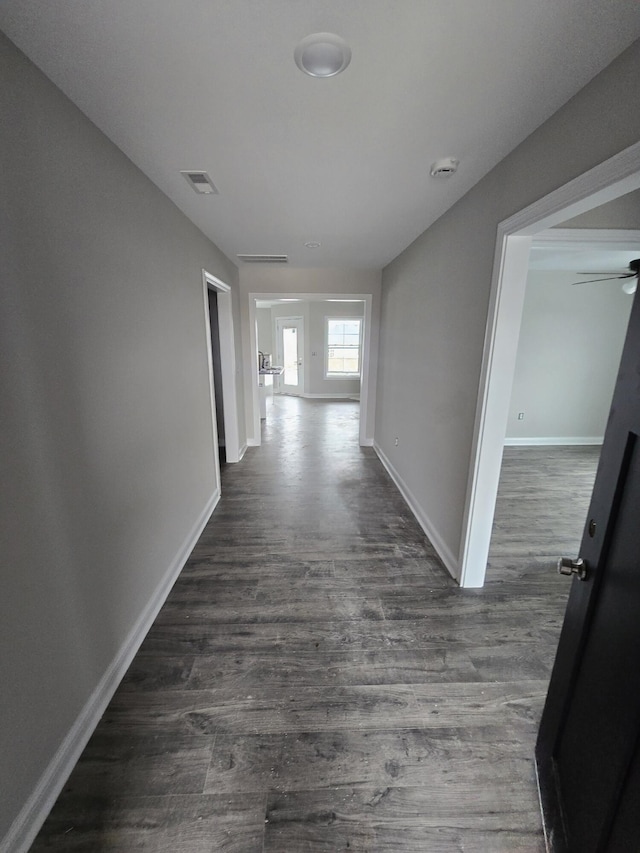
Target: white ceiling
x=583 y=259
x=212 y=85
x=597 y=256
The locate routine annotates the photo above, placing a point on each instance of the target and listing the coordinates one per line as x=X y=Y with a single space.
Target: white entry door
x=289 y=354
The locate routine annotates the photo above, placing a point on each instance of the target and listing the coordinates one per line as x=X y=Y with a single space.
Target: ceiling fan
x=631 y=277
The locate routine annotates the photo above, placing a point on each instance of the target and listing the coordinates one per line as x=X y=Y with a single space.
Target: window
x=343 y=347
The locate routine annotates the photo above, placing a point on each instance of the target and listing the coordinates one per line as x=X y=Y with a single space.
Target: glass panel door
x=289 y=351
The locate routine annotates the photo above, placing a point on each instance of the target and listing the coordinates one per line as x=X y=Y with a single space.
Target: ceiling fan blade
x=608 y=278
x=634 y=272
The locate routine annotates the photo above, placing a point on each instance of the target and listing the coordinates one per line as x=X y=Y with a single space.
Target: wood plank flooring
x=317 y=682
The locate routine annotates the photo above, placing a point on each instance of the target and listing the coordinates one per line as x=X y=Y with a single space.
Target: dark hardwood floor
x=317 y=682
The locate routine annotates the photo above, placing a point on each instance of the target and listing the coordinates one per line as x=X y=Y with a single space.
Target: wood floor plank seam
x=316 y=681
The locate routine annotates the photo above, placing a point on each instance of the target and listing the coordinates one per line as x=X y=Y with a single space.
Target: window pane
x=290 y=352
x=343 y=347
x=343 y=360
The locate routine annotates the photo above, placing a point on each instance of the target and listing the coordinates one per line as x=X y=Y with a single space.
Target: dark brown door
x=588 y=749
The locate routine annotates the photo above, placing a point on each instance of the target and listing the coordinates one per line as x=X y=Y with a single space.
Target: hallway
x=317 y=682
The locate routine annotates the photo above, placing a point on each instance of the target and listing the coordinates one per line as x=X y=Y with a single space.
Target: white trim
x=367 y=378
x=423 y=520
x=227 y=365
x=613 y=238
x=554 y=441
x=243 y=450
x=614 y=177
x=339 y=395
x=606 y=181
x=25 y=827
x=252 y=410
x=496 y=379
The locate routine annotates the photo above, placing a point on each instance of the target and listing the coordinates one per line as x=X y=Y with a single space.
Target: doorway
x=290 y=355
x=216 y=361
x=221 y=360
x=571 y=336
x=609 y=180
x=257 y=330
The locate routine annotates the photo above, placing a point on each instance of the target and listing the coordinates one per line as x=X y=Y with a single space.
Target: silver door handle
x=577 y=567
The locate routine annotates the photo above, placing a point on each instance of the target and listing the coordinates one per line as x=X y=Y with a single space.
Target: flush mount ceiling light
x=312 y=244
x=322 y=55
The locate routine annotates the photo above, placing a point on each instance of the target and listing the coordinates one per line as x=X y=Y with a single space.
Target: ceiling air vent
x=200 y=182
x=264 y=259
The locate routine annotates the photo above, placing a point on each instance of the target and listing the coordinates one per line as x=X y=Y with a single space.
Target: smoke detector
x=444 y=168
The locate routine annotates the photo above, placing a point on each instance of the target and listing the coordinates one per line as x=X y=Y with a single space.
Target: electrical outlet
x=396 y=441
x=520 y=416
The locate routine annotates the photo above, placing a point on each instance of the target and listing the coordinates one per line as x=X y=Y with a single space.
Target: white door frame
x=611 y=179
x=367 y=388
x=227 y=366
x=279 y=348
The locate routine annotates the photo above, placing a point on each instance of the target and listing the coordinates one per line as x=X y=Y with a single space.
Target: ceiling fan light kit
x=630 y=278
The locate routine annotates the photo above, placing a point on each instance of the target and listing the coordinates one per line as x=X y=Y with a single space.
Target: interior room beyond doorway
x=315 y=348
x=607 y=182
x=562 y=393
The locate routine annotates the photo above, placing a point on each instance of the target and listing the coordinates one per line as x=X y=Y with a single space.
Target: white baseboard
x=242 y=451
x=366 y=442
x=442 y=549
x=25 y=827
x=339 y=395
x=253 y=442
x=554 y=441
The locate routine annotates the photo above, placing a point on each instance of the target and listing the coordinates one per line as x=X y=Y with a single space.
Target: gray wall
x=107 y=458
x=436 y=293
x=318 y=313
x=623 y=212
x=265 y=332
x=568 y=355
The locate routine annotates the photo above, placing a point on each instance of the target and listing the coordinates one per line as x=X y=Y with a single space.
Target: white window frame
x=342 y=319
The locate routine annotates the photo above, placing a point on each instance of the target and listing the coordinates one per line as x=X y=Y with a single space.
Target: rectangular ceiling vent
x=264 y=259
x=200 y=182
